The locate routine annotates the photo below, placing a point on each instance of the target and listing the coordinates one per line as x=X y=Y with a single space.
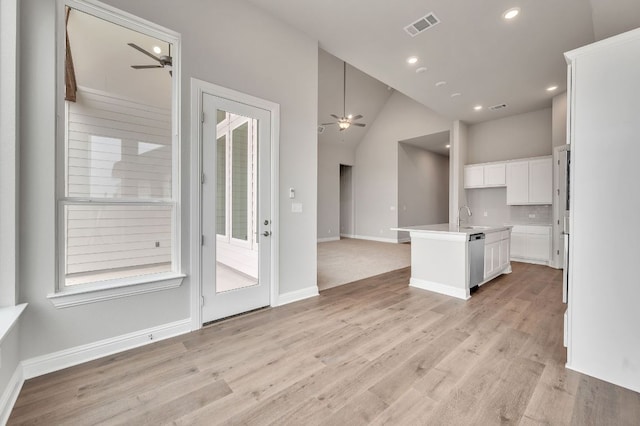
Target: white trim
x=10 y=394
x=347 y=236
x=294 y=296
x=9 y=11
x=8 y=318
x=447 y=290
x=124 y=287
x=55 y=361
x=532 y=261
x=328 y=239
x=198 y=88
x=378 y=239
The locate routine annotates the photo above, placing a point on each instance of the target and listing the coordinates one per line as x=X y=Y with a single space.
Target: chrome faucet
x=460 y=212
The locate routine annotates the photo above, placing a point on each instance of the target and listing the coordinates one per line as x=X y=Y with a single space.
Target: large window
x=118 y=189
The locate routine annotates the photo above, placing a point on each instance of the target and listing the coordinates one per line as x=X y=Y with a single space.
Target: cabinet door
x=488 y=260
x=518 y=182
x=504 y=253
x=518 y=245
x=473 y=176
x=538 y=247
x=495 y=175
x=541 y=181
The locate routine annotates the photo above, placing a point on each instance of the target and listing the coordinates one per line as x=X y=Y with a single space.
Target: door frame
x=198 y=89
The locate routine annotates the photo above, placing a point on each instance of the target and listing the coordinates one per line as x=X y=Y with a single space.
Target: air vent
x=422 y=24
x=320 y=129
x=497 y=107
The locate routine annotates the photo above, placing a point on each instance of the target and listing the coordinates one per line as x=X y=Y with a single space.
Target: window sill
x=8 y=318
x=114 y=289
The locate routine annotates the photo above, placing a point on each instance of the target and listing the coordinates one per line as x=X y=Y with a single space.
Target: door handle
x=266 y=233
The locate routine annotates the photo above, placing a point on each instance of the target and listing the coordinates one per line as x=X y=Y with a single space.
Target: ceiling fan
x=163 y=60
x=345 y=121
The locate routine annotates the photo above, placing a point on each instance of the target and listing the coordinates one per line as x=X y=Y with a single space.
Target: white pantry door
x=236 y=201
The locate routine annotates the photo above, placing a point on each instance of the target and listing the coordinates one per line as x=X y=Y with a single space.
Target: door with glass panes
x=235 y=208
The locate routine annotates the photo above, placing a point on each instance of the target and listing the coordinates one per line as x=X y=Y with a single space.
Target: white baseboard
x=379 y=239
x=10 y=394
x=534 y=262
x=294 y=296
x=447 y=290
x=55 y=361
x=327 y=239
x=404 y=240
x=347 y=236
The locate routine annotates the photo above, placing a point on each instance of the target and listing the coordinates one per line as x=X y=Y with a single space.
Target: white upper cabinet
x=495 y=175
x=474 y=176
x=530 y=181
x=541 y=181
x=484 y=175
x=518 y=182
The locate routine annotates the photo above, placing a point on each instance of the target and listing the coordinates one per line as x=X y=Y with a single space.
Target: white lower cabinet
x=531 y=243
x=496 y=252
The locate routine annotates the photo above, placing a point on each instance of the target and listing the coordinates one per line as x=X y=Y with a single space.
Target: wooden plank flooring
x=371 y=352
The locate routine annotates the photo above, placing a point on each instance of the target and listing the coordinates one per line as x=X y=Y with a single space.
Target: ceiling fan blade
x=327 y=124
x=335 y=116
x=358 y=124
x=144 y=67
x=357 y=117
x=140 y=49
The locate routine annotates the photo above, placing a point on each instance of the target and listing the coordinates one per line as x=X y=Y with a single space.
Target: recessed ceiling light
x=447 y=146
x=441 y=83
x=511 y=13
x=455 y=95
x=157 y=49
x=412 y=60
x=551 y=88
x=421 y=70
x=477 y=107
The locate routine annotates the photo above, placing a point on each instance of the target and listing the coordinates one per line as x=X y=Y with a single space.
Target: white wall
x=376 y=167
x=330 y=156
x=457 y=160
x=559 y=120
x=287 y=75
x=604 y=341
x=517 y=136
x=423 y=186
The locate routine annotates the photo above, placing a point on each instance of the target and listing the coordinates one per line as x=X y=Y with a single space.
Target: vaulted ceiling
x=474 y=50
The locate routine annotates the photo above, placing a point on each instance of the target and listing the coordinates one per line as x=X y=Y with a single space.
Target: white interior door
x=236 y=203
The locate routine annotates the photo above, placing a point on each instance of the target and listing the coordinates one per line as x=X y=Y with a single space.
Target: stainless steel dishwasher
x=476 y=259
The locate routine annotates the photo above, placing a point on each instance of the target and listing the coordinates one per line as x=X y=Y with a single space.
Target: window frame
x=64 y=295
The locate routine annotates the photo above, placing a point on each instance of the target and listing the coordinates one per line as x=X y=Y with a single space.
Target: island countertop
x=452 y=228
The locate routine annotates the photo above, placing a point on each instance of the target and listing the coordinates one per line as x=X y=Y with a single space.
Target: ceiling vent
x=320 y=129
x=422 y=24
x=497 y=107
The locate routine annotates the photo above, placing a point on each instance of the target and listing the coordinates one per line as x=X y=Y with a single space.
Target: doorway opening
x=347 y=199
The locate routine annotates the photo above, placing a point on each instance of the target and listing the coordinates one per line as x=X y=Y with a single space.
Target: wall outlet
x=296 y=207
x=485 y=214
x=532 y=215
x=392 y=208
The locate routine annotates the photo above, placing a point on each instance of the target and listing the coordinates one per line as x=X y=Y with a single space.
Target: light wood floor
x=371 y=352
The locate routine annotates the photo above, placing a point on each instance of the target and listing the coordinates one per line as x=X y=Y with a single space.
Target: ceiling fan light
x=343 y=124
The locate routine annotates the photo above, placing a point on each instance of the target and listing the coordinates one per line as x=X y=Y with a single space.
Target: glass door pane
x=236 y=185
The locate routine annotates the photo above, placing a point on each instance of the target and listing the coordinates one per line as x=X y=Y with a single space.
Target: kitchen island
x=443 y=259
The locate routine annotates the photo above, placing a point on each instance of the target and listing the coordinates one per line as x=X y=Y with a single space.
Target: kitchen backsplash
x=493 y=202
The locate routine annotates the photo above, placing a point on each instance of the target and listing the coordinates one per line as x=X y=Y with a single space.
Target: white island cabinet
x=440 y=256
